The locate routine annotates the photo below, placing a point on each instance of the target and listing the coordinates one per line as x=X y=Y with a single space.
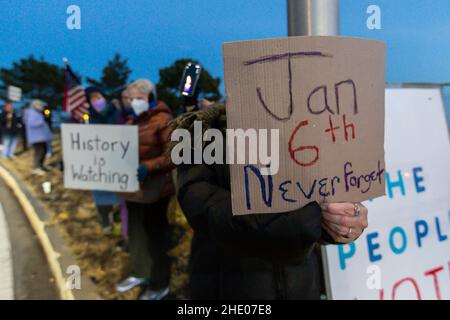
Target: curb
x=39 y=228
x=48 y=239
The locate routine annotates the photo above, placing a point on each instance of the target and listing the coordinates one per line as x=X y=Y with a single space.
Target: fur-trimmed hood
x=211 y=117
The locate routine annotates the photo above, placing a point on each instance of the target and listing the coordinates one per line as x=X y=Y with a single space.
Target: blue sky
x=153 y=34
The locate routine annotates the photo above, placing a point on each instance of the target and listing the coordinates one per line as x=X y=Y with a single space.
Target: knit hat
x=37 y=102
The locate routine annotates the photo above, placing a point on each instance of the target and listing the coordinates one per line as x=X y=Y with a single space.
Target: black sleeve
x=207 y=207
x=326 y=239
x=17 y=122
x=2 y=120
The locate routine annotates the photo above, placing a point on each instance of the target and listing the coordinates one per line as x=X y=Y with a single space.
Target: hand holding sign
x=344 y=222
x=142 y=173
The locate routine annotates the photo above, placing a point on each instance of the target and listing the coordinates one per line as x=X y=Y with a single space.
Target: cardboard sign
x=100 y=157
x=14 y=93
x=325 y=95
x=405 y=251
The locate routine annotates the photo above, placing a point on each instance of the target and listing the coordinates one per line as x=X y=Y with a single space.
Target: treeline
x=40 y=79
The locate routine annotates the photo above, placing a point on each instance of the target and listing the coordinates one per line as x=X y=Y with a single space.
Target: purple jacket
x=36 y=127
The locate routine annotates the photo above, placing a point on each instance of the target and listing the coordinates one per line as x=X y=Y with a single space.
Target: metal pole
x=313 y=17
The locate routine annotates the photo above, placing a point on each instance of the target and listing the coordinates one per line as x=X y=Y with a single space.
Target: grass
x=102 y=258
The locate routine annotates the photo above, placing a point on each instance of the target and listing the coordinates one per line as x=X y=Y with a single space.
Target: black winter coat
x=263 y=256
x=10 y=127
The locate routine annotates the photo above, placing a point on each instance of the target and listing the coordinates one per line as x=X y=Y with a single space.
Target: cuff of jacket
x=326 y=239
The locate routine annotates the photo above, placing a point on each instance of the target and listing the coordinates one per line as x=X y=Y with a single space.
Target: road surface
x=24 y=273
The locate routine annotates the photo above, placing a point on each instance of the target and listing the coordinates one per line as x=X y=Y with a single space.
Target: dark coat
x=261 y=256
x=112 y=116
x=10 y=127
x=267 y=256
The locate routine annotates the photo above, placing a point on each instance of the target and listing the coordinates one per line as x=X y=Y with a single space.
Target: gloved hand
x=142 y=172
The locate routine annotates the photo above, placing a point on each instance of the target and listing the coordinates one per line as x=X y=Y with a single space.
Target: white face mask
x=139 y=106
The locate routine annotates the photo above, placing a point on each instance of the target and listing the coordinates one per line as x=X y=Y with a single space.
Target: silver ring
x=357 y=209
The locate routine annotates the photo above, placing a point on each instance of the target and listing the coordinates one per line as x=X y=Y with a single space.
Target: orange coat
x=154 y=134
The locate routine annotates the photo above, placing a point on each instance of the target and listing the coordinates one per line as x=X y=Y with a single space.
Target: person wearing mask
x=102 y=112
x=38 y=134
x=10 y=126
x=258 y=256
x=148 y=226
x=125 y=103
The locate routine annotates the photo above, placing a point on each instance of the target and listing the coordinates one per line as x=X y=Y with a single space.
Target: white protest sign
x=100 y=157
x=325 y=98
x=405 y=251
x=14 y=93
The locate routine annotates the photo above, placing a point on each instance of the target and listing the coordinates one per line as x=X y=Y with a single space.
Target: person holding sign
x=147 y=220
x=257 y=256
x=102 y=112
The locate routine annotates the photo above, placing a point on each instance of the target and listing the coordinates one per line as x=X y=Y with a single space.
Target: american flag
x=74 y=96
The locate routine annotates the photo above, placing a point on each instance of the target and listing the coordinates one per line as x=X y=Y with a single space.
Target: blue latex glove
x=142 y=172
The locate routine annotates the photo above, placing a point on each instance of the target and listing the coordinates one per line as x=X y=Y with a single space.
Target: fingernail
x=324 y=206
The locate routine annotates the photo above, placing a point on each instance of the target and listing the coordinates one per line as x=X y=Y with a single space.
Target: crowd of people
x=259 y=256
x=34 y=128
x=145 y=218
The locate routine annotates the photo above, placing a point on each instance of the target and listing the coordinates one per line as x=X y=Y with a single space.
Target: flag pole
x=313 y=17
x=65 y=97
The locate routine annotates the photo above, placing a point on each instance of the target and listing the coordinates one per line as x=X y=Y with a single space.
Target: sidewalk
x=6 y=270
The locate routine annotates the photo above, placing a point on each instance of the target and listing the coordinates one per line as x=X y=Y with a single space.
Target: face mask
x=139 y=106
x=99 y=105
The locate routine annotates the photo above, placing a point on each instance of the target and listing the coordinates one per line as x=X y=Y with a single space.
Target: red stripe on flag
x=82 y=107
x=78 y=113
x=75 y=90
x=76 y=93
x=77 y=101
x=79 y=107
